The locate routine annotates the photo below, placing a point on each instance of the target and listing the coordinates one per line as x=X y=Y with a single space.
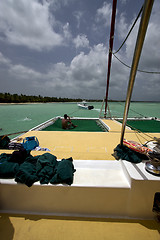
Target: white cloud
x=146 y=85
x=122 y=27
x=85 y=75
x=123 y=1
x=87 y=67
x=27 y=23
x=4 y=60
x=150 y=57
x=24 y=73
x=81 y=41
x=57 y=4
x=66 y=32
x=104 y=13
x=78 y=15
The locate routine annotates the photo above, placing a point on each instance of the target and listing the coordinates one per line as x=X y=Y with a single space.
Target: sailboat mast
x=110 y=49
x=137 y=53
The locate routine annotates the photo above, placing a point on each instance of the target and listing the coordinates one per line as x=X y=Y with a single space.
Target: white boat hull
x=85 y=106
x=119 y=190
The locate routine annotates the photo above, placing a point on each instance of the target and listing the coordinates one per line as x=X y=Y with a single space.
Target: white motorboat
x=85 y=106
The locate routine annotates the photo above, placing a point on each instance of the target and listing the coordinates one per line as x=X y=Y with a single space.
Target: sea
x=16 y=118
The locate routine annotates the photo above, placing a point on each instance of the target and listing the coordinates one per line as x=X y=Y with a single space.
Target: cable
x=139 y=131
x=130 y=67
x=130 y=109
x=129 y=31
x=73 y=112
x=150 y=72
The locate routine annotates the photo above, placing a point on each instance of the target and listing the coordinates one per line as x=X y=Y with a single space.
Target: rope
x=129 y=31
x=139 y=131
x=130 y=109
x=74 y=112
x=13 y=133
x=143 y=71
x=139 y=138
x=130 y=66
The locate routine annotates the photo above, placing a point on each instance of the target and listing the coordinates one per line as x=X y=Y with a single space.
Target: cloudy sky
x=59 y=48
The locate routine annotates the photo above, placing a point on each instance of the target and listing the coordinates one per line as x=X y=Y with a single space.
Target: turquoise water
x=22 y=117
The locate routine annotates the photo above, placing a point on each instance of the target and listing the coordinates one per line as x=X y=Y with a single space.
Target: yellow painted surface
x=39 y=227
x=86 y=145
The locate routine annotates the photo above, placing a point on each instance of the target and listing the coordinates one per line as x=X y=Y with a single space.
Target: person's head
x=65 y=116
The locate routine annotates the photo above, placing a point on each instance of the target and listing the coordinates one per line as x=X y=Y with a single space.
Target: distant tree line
x=15 y=98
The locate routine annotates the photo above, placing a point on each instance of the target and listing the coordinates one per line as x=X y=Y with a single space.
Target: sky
x=59 y=48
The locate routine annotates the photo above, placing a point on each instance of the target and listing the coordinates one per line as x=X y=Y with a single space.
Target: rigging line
x=151 y=72
x=138 y=138
x=74 y=112
x=9 y=134
x=130 y=109
x=136 y=133
x=139 y=131
x=130 y=30
x=135 y=129
x=130 y=67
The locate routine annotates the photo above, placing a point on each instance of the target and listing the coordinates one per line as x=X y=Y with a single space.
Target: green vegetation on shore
x=15 y=98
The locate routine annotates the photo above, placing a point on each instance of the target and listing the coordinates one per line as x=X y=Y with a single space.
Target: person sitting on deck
x=66 y=122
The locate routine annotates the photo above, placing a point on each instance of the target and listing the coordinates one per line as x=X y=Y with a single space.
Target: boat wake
x=98 y=109
x=25 y=119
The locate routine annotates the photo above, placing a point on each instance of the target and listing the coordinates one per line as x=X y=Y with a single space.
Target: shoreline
x=20 y=103
x=32 y=103
x=36 y=103
x=25 y=103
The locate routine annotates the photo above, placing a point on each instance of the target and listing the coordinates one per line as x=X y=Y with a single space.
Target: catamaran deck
x=86 y=145
x=102 y=187
x=28 y=227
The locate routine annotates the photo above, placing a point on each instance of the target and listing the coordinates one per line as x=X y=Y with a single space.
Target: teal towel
x=64 y=172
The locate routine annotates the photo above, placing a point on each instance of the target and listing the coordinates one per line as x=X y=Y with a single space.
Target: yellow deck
x=40 y=227
x=86 y=145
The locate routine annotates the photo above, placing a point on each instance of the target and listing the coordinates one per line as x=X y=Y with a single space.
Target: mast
x=137 y=52
x=110 y=49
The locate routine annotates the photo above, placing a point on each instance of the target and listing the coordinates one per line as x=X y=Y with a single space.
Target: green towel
x=4 y=141
x=7 y=169
x=45 y=166
x=64 y=172
x=125 y=153
x=27 y=172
